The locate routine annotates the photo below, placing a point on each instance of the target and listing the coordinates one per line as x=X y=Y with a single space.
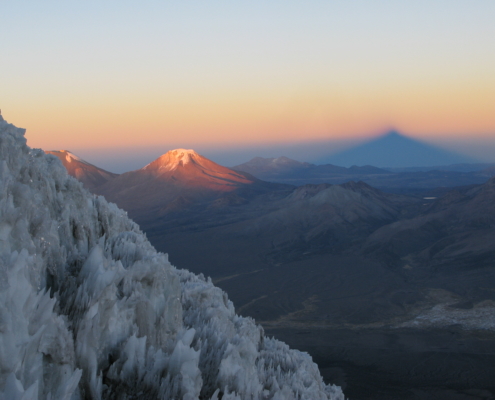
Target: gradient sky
x=103 y=77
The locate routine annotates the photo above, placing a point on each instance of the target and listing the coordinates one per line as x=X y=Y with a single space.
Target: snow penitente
x=89 y=309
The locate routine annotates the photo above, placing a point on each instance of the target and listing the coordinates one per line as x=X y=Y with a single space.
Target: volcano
x=180 y=177
x=189 y=169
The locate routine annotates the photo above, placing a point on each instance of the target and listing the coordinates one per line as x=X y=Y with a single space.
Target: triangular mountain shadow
x=396 y=150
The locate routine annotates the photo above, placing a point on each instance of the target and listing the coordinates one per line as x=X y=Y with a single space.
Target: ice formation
x=89 y=309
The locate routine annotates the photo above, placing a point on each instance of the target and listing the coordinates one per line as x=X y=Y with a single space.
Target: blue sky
x=221 y=76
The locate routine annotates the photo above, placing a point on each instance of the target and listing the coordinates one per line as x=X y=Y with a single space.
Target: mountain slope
x=90 y=175
x=315 y=218
x=455 y=231
x=261 y=237
x=396 y=150
x=90 y=310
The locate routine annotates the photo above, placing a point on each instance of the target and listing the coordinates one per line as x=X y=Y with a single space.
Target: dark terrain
x=393 y=295
x=346 y=312
x=406 y=364
x=344 y=282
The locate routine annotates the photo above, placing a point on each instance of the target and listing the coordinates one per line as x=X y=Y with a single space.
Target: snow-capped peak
x=183 y=155
x=172 y=159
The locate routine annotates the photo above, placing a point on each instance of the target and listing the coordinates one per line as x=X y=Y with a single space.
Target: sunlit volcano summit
x=175 y=158
x=188 y=168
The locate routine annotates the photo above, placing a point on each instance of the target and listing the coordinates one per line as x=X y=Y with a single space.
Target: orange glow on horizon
x=231 y=119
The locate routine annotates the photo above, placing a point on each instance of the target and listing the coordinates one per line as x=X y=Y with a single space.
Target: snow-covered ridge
x=89 y=309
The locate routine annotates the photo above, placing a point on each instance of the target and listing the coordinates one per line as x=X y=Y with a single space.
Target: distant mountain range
x=283 y=168
x=182 y=178
x=396 y=150
x=414 y=179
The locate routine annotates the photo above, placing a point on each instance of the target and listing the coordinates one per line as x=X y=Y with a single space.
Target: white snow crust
x=90 y=310
x=177 y=156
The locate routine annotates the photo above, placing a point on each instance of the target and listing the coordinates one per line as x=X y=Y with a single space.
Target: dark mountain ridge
x=300 y=173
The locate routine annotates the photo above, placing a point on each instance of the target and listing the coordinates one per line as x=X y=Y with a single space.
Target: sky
x=120 y=82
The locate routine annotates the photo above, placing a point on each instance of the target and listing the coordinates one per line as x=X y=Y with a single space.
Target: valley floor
x=381 y=333
x=406 y=364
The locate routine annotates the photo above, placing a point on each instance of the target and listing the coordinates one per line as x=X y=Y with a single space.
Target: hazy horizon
x=121 y=160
